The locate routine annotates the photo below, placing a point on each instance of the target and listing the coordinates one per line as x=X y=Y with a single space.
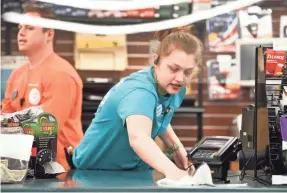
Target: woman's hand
x=176 y=174
x=181 y=160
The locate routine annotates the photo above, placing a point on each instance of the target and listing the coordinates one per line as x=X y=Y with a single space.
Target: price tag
x=280 y=44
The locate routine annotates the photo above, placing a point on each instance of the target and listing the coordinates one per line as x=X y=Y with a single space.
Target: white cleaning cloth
x=202 y=176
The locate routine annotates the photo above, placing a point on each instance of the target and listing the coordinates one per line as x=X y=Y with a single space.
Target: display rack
x=268 y=93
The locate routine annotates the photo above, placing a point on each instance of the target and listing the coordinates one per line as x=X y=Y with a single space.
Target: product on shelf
x=222 y=32
x=275 y=62
x=223 y=79
x=43 y=127
x=139 y=13
x=255 y=23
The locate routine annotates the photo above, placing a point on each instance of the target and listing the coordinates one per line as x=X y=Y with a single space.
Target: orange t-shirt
x=56 y=86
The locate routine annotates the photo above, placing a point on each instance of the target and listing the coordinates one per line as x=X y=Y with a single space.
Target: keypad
x=205 y=154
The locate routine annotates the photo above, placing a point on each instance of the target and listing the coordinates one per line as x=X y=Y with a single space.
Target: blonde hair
x=179 y=38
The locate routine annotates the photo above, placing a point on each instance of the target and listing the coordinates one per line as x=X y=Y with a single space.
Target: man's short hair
x=44 y=12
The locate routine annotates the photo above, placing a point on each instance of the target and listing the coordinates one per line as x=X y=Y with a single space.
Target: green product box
x=44 y=150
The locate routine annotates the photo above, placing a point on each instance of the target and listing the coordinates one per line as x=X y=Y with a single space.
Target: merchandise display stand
x=268 y=93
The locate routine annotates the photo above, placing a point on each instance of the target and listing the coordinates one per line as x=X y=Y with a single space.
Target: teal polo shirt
x=106 y=143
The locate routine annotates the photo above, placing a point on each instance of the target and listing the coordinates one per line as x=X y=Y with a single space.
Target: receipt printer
x=217 y=152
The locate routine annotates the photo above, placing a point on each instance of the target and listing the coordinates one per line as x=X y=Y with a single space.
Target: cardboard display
x=223 y=79
x=255 y=23
x=222 y=32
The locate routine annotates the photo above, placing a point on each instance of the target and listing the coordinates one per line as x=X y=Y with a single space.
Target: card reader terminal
x=217 y=152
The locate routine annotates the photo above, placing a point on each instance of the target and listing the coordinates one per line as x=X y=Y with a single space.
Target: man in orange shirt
x=47 y=80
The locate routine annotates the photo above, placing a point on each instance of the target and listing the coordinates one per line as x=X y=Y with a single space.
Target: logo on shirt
x=34 y=96
x=159 y=110
x=33 y=85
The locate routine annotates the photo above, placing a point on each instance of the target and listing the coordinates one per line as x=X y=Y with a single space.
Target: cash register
x=217 y=152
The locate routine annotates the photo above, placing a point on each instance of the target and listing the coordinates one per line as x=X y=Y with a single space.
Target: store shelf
x=273 y=81
x=190 y=110
x=108 y=21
